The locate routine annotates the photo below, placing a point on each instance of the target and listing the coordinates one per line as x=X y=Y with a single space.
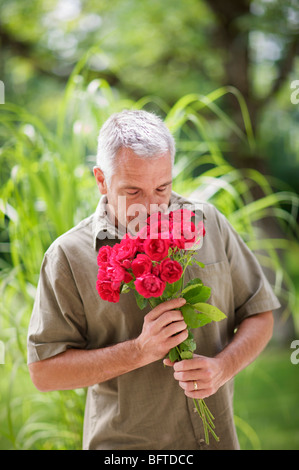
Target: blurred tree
x=261 y=39
x=253 y=33
x=166 y=49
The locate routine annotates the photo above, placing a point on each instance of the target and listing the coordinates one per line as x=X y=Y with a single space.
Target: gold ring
x=195 y=385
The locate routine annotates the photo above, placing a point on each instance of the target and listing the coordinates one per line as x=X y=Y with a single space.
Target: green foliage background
x=220 y=76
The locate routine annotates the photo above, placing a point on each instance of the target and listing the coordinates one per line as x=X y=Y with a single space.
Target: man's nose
x=150 y=206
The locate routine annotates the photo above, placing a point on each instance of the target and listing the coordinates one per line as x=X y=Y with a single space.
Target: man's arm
x=163 y=329
x=210 y=374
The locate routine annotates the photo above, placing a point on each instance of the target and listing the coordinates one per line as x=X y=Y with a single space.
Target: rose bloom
x=115 y=274
x=149 y=286
x=184 y=228
x=106 y=291
x=104 y=255
x=189 y=230
x=157 y=217
x=144 y=232
x=139 y=238
x=160 y=229
x=201 y=231
x=181 y=214
x=156 y=248
x=170 y=270
x=124 y=251
x=142 y=264
x=156 y=270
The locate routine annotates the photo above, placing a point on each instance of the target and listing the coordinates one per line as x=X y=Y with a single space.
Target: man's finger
x=197 y=362
x=167 y=362
x=164 y=306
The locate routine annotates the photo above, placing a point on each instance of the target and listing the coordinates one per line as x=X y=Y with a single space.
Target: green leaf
x=190 y=316
x=125 y=288
x=192 y=345
x=186 y=355
x=194 y=282
x=187 y=345
x=171 y=289
x=197 y=294
x=178 y=284
x=201 y=265
x=190 y=335
x=154 y=301
x=203 y=319
x=168 y=292
x=190 y=292
x=210 y=311
x=202 y=296
x=173 y=355
x=141 y=301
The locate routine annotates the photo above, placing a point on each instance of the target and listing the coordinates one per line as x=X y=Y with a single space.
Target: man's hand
x=206 y=372
x=163 y=329
x=210 y=374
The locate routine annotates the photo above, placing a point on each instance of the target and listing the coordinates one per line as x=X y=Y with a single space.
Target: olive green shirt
x=145 y=408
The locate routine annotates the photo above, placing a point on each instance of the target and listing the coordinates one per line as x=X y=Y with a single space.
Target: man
x=116 y=350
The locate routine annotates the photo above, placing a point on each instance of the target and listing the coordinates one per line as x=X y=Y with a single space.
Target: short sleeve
x=58 y=320
x=252 y=291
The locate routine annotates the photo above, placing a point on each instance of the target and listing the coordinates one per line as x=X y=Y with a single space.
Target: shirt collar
x=103 y=228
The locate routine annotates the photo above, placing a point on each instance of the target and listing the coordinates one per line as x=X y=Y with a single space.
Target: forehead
x=134 y=168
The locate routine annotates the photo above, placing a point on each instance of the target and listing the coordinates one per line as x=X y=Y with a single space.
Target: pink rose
x=104 y=255
x=184 y=233
x=106 y=291
x=156 y=270
x=149 y=286
x=142 y=264
x=179 y=243
x=157 y=248
x=181 y=215
x=116 y=274
x=141 y=236
x=144 y=232
x=158 y=225
x=123 y=252
x=157 y=217
x=170 y=270
x=201 y=231
x=126 y=249
x=189 y=231
x=102 y=273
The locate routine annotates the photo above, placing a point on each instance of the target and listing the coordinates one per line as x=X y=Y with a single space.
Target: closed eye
x=133 y=193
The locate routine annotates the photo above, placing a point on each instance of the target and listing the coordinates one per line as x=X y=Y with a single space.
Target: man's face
x=139 y=187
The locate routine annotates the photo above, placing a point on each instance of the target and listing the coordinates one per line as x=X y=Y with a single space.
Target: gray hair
x=143 y=132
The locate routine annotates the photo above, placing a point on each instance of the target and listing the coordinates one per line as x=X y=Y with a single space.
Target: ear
x=100 y=179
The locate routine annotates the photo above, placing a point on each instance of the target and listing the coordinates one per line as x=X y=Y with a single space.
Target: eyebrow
x=136 y=187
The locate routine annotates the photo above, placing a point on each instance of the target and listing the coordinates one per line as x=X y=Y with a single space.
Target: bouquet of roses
x=152 y=264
